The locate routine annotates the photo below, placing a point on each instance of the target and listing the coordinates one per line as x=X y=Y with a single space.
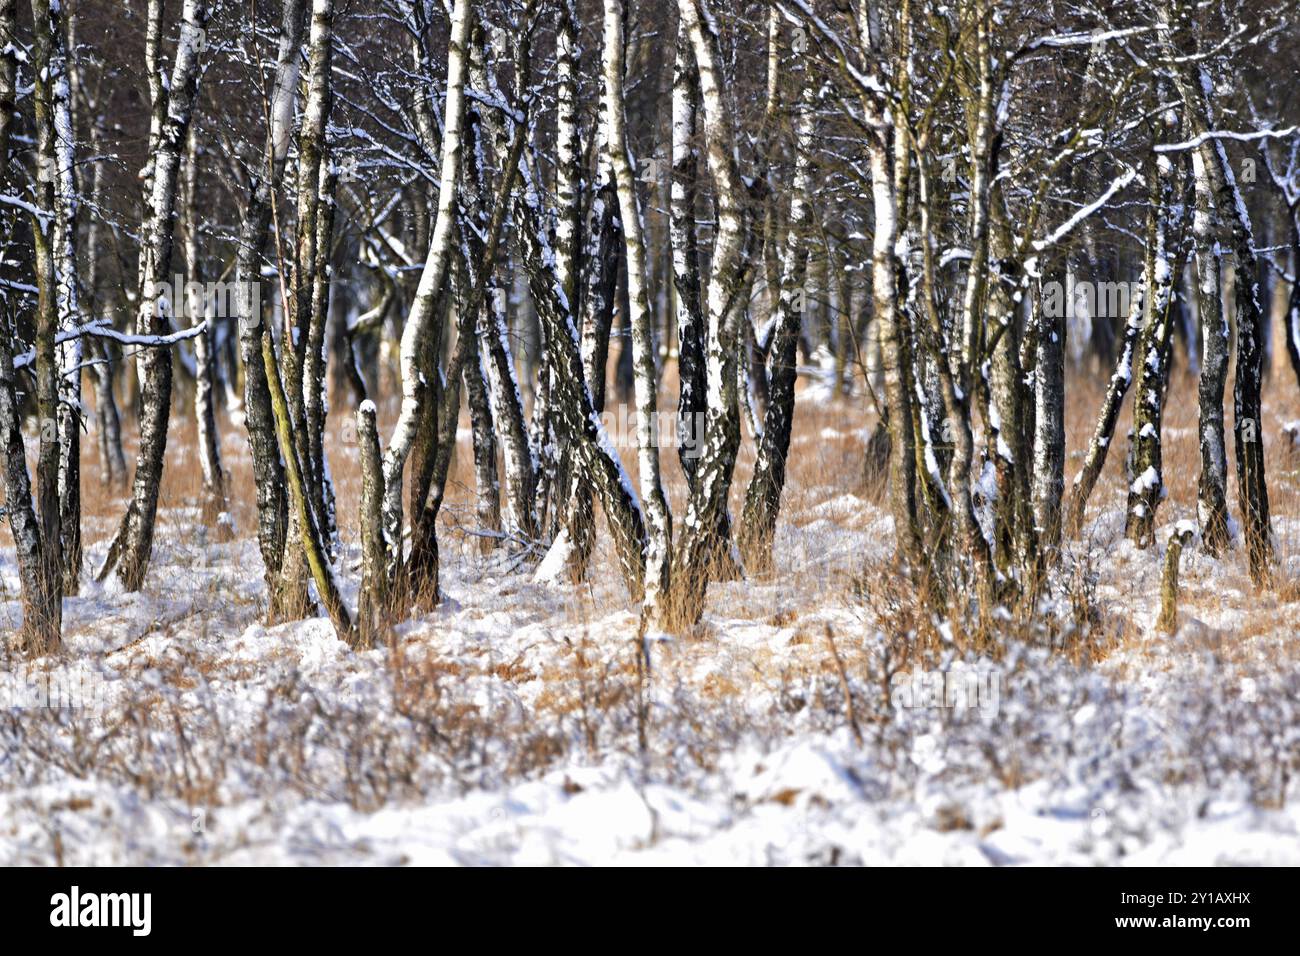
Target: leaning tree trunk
x=508 y=413
x=268 y=470
x=302 y=358
x=763 y=497
x=435 y=455
x=298 y=492
x=573 y=419
x=1104 y=432
x=478 y=256
x=576 y=421
x=1163 y=263
x=130 y=549
x=420 y=334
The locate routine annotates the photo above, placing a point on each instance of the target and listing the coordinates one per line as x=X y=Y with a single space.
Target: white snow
x=501 y=727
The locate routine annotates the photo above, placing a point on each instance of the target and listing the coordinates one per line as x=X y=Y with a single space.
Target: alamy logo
x=75 y=687
x=965 y=688
x=102 y=909
x=1096 y=300
x=196 y=300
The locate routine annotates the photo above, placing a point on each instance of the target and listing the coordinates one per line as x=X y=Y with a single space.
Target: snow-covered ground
x=511 y=726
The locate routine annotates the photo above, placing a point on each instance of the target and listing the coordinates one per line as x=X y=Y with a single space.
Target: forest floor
x=510 y=725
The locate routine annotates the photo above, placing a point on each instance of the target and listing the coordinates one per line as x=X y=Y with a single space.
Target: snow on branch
x=1063 y=230
x=1227 y=134
x=869 y=83
x=24 y=205
x=1079 y=39
x=101 y=328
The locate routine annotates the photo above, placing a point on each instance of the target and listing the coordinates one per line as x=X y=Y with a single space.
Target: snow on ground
x=507 y=726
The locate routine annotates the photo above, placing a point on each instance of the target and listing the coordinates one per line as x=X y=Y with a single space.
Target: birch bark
x=763 y=496
x=658 y=523
x=173 y=105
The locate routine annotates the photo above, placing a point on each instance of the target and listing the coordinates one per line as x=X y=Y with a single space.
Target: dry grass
x=825 y=464
x=824 y=496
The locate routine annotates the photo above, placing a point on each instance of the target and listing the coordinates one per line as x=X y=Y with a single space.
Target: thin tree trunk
x=109 y=426
x=493 y=350
x=1212 y=502
x=372 y=609
x=69 y=305
x=1049 y=428
x=576 y=421
x=316 y=184
x=302 y=345
x=956 y=403
x=1292 y=316
x=703 y=543
x=268 y=470
x=40 y=577
x=1163 y=263
x=420 y=335
x=894 y=346
x=692 y=404
x=604 y=239
x=130 y=549
x=44 y=236
x=658 y=522
x=214 y=510
x=312 y=542
x=1104 y=432
x=763 y=496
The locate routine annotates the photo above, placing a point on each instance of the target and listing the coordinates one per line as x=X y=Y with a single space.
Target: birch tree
x=703 y=541
x=1163 y=263
x=658 y=527
x=419 y=333
x=172 y=105
x=35 y=527
x=763 y=496
x=302 y=356
x=259 y=419
x=201 y=309
x=64 y=253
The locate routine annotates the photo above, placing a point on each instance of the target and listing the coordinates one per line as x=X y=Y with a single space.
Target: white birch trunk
x=419 y=330
x=657 y=519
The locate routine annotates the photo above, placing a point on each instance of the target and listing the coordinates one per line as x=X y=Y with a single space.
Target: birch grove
x=372 y=269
